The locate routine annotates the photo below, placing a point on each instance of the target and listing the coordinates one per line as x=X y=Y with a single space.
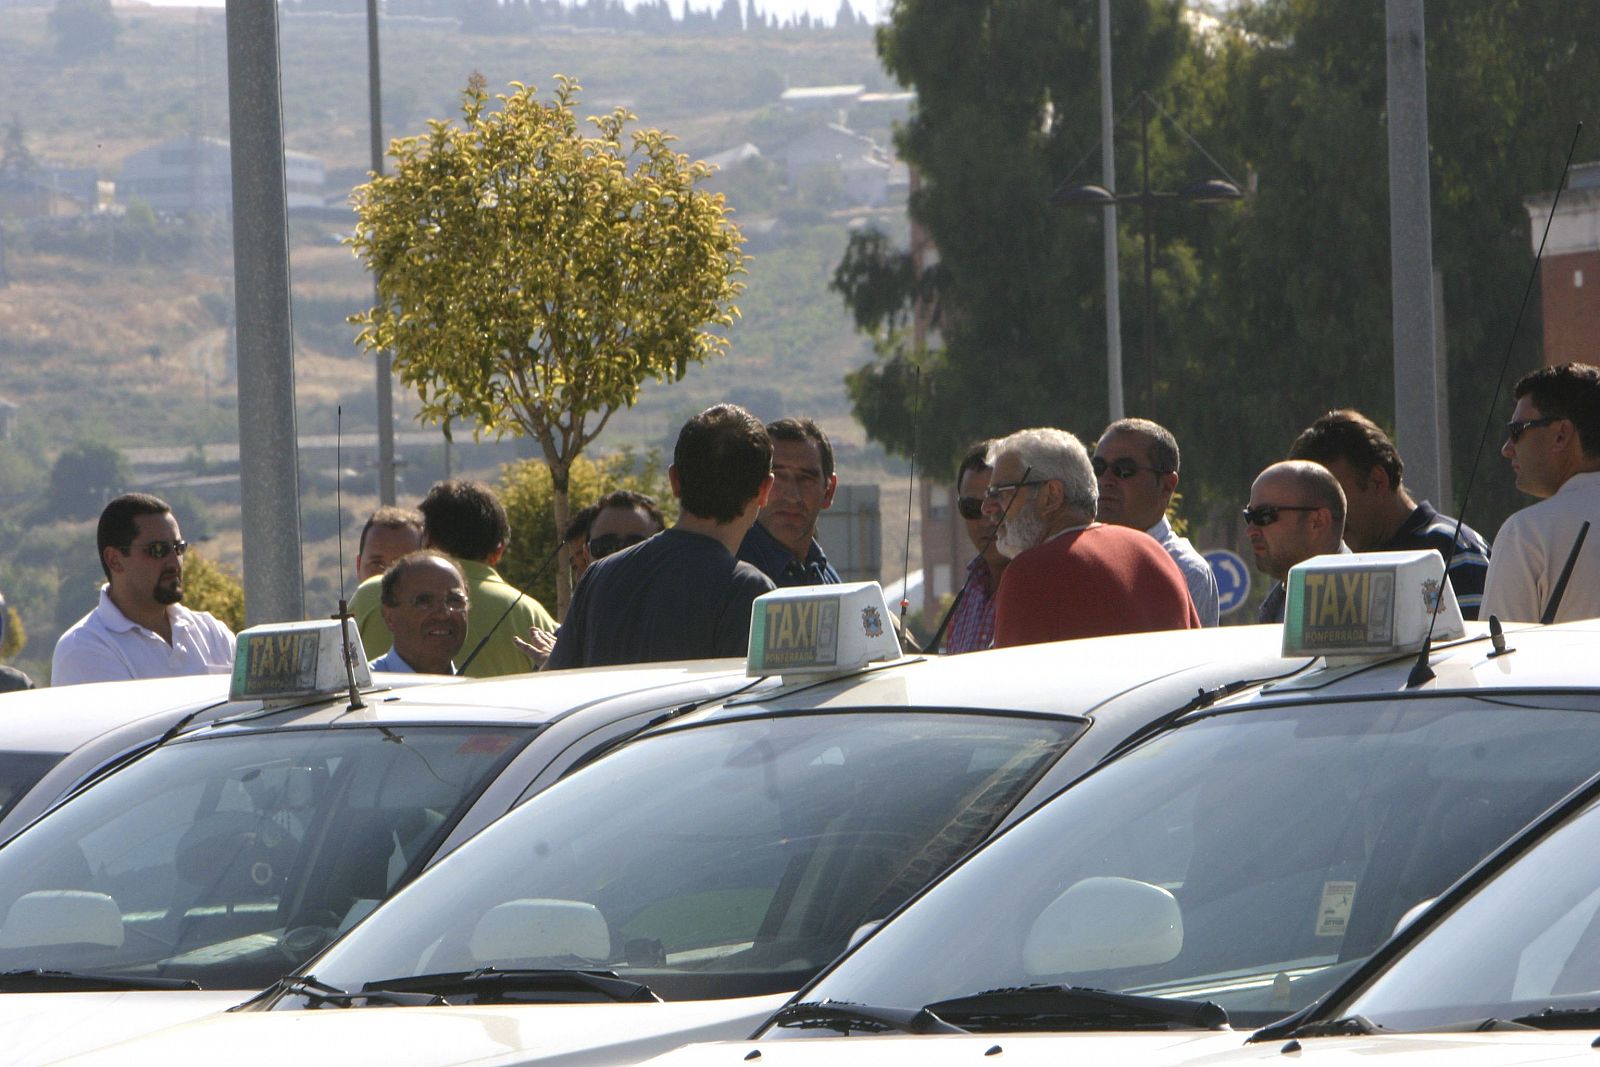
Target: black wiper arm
x=43 y=981
x=317 y=992
x=551 y=986
x=844 y=1016
x=1069 y=1007
x=1349 y=1026
x=1552 y=1018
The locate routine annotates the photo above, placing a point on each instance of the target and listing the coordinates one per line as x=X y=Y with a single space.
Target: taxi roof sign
x=820 y=629
x=1368 y=604
x=289 y=660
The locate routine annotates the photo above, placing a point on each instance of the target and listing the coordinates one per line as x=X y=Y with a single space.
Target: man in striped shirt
x=971 y=625
x=1380 y=515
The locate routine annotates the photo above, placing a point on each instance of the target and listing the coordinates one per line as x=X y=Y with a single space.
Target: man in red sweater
x=1069 y=575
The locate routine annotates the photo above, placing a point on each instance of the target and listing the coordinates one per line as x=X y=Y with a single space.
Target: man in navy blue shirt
x=782 y=544
x=1380 y=516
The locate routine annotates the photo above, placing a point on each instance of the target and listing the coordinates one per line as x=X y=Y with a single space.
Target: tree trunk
x=560 y=480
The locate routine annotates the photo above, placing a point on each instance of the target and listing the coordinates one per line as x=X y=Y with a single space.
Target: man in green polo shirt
x=466 y=522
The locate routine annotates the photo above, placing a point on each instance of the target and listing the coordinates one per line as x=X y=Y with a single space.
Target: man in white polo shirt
x=140 y=629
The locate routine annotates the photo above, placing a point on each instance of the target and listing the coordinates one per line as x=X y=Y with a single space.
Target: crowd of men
x=1068 y=544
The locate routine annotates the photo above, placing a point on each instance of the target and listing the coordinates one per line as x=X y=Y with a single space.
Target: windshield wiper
x=1349 y=1026
x=1065 y=1007
x=42 y=981
x=317 y=992
x=524 y=986
x=1553 y=1018
x=845 y=1017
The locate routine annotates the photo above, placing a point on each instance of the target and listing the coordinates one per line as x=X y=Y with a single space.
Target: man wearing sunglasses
x=1136 y=462
x=140 y=629
x=970 y=627
x=1070 y=576
x=1296 y=511
x=1553 y=443
x=783 y=542
x=1380 y=516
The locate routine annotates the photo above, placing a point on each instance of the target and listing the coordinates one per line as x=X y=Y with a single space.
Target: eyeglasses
x=1267 y=514
x=453 y=601
x=1516 y=428
x=1123 y=468
x=970 y=507
x=602 y=546
x=994 y=491
x=160 y=549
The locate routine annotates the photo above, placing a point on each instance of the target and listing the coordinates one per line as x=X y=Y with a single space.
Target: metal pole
x=1149 y=263
x=384 y=364
x=1411 y=249
x=1109 y=180
x=268 y=479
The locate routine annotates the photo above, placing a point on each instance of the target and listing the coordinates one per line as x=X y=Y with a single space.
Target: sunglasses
x=1515 y=430
x=602 y=546
x=160 y=549
x=970 y=507
x=1123 y=468
x=1267 y=514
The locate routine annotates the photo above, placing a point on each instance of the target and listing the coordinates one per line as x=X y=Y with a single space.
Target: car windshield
x=729 y=859
x=1248 y=859
x=229 y=860
x=1524 y=949
x=20 y=772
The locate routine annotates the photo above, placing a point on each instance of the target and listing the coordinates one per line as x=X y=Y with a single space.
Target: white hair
x=1050 y=454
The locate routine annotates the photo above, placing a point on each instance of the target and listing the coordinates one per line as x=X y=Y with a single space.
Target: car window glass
x=230 y=859
x=1526 y=947
x=20 y=772
x=1276 y=849
x=728 y=859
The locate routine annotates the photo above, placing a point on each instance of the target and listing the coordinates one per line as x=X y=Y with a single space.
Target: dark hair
x=398 y=568
x=723 y=457
x=1349 y=435
x=976 y=459
x=803 y=430
x=578 y=526
x=390 y=518
x=1161 y=446
x=464 y=519
x=117 y=529
x=627 y=498
x=1567 y=391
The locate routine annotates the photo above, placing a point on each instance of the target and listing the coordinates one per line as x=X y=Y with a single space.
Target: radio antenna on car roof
x=356 y=703
x=1422 y=672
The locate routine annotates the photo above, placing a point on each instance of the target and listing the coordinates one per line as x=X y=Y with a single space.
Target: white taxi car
x=212 y=864
x=1234 y=868
x=681 y=887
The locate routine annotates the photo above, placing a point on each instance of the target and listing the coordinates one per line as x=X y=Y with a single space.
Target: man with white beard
x=1069 y=575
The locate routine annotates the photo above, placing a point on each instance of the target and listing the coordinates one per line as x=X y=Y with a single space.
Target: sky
x=784 y=9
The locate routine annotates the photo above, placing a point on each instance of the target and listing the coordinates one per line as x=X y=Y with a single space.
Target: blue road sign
x=1233 y=579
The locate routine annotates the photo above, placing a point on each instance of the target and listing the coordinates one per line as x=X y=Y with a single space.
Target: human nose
x=1509 y=448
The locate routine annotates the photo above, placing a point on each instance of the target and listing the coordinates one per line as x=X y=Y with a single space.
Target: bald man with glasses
x=1296 y=511
x=140 y=629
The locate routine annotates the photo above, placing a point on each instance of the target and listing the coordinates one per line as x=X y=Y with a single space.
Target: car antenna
x=356 y=703
x=461 y=670
x=911 y=481
x=1422 y=672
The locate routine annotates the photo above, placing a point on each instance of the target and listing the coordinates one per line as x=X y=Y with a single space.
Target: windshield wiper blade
x=1553 y=1018
x=1066 y=1007
x=38 y=980
x=1349 y=1026
x=845 y=1016
x=548 y=986
x=318 y=992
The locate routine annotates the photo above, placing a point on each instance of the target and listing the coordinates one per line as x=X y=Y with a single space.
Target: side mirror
x=541 y=928
x=62 y=917
x=1104 y=923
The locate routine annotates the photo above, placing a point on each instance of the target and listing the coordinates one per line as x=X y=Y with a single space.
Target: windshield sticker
x=1333 y=916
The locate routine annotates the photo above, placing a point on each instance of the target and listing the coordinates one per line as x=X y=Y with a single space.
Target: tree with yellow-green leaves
x=531 y=275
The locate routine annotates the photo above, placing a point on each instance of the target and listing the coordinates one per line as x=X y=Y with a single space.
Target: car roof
x=60 y=718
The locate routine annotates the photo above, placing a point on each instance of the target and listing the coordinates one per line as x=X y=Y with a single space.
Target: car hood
x=498 y=1035
x=1157 y=1049
x=44 y=1027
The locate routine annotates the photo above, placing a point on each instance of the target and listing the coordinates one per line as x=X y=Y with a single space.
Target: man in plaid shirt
x=971 y=625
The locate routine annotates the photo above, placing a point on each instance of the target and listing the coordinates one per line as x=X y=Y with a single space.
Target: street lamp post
x=1205 y=191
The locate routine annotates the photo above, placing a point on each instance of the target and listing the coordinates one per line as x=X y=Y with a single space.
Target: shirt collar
x=774 y=554
x=1161 y=530
x=112 y=618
